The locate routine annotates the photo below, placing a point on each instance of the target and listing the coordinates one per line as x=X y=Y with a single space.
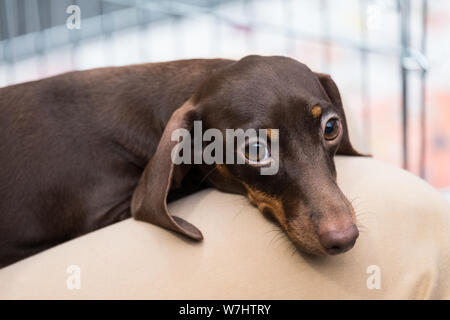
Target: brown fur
x=267 y=204
x=76 y=149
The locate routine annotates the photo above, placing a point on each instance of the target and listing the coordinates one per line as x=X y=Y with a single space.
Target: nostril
x=336 y=242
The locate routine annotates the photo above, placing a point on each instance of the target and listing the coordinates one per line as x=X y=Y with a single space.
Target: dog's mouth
x=331 y=230
x=333 y=241
x=328 y=237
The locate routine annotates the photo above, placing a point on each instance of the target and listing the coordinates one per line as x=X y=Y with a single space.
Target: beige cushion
x=404 y=232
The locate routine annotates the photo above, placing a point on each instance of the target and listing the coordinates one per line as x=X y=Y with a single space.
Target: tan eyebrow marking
x=316 y=111
x=273 y=135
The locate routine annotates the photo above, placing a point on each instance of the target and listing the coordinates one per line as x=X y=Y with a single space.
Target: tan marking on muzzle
x=262 y=201
x=222 y=169
x=316 y=111
x=302 y=232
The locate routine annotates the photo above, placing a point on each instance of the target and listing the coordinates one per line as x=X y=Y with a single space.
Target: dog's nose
x=336 y=242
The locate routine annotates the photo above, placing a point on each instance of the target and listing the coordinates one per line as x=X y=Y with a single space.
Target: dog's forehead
x=266 y=81
x=263 y=90
x=277 y=73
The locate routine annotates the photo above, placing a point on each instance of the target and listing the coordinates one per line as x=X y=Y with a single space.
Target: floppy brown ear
x=332 y=91
x=149 y=202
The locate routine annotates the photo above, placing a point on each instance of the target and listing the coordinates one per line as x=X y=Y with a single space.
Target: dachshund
x=85 y=149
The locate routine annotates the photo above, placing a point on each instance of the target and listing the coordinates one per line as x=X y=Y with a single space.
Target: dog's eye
x=331 y=129
x=257 y=152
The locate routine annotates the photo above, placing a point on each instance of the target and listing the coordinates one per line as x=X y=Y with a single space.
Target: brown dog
x=83 y=150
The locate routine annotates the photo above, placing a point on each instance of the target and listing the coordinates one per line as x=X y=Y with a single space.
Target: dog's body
x=74 y=147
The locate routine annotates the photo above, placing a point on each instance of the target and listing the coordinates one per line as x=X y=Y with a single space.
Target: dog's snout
x=336 y=241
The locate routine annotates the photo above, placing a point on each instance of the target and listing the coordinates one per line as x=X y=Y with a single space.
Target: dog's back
x=72 y=148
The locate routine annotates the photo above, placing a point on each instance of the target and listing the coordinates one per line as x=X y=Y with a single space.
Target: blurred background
x=390 y=58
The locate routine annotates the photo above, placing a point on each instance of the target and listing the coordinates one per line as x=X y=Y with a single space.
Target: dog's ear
x=345 y=148
x=149 y=202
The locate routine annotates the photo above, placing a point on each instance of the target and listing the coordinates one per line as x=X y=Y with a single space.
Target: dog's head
x=303 y=113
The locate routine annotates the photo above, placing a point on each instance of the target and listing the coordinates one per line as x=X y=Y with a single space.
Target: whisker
x=273 y=240
x=363 y=214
